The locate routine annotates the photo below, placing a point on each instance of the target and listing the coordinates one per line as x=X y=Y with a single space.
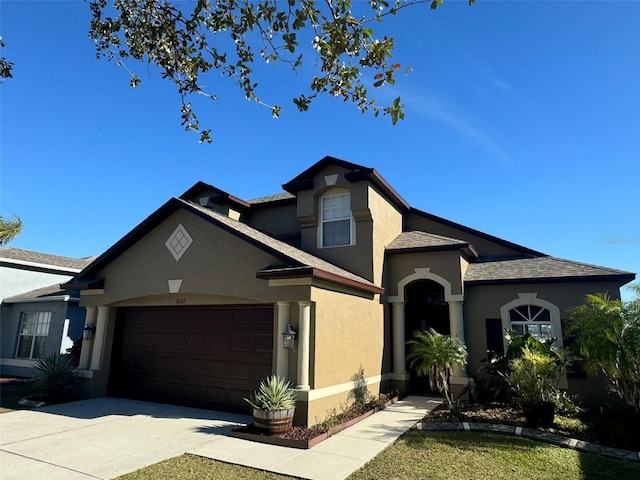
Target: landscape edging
x=547 y=437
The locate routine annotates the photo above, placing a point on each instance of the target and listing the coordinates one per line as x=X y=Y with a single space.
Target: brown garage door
x=207 y=357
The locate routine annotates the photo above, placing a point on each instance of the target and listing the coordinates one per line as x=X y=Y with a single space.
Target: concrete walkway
x=335 y=458
x=107 y=437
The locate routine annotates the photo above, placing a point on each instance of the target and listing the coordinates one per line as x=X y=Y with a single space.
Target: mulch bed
x=613 y=428
x=308 y=437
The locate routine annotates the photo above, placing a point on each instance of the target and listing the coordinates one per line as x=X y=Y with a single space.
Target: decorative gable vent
x=178 y=242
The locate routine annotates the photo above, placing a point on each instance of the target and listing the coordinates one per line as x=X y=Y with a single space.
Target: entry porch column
x=398 y=335
x=304 y=326
x=282 y=355
x=100 y=338
x=85 y=349
x=456 y=325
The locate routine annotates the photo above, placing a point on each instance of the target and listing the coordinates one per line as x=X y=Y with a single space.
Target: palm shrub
x=500 y=366
x=534 y=377
x=54 y=376
x=607 y=339
x=274 y=394
x=435 y=355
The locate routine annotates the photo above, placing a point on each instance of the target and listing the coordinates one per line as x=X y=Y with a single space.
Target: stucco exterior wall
x=447 y=265
x=387 y=225
x=485 y=247
x=279 y=220
x=348 y=333
x=376 y=224
x=483 y=302
x=217 y=263
x=322 y=408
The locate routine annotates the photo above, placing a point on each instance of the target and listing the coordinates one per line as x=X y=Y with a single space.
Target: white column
x=398 y=334
x=85 y=350
x=304 y=325
x=99 y=340
x=456 y=325
x=282 y=354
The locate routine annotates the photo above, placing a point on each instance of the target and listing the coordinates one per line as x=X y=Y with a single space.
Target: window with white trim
x=532 y=319
x=336 y=221
x=32 y=336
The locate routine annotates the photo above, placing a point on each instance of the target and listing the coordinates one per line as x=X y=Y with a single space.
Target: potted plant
x=273 y=405
x=534 y=379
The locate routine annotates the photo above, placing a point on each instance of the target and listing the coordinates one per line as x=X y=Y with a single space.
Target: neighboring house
x=190 y=306
x=36 y=317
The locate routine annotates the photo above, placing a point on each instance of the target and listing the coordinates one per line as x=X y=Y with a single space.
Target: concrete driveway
x=103 y=437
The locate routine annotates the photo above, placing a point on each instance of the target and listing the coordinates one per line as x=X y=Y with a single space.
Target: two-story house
x=190 y=306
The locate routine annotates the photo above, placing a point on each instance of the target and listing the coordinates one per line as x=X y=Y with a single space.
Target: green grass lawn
x=472 y=455
x=433 y=456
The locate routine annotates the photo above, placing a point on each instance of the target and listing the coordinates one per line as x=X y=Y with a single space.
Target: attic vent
x=203 y=201
x=179 y=242
x=330 y=179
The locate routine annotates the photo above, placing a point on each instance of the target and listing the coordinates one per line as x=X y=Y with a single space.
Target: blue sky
x=522 y=121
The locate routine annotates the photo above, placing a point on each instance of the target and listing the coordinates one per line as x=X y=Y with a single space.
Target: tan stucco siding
x=483 y=246
x=217 y=263
x=387 y=225
x=322 y=408
x=348 y=334
x=446 y=265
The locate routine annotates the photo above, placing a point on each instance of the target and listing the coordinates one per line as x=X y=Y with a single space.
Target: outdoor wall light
x=289 y=337
x=88 y=331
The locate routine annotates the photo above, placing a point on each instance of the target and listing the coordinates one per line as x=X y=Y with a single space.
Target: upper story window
x=336 y=227
x=32 y=336
x=531 y=319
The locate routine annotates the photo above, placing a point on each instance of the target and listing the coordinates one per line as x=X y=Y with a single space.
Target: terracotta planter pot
x=539 y=414
x=278 y=421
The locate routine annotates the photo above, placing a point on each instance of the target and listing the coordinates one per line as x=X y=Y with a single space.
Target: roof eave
x=316 y=273
x=95 y=284
x=618 y=278
x=465 y=248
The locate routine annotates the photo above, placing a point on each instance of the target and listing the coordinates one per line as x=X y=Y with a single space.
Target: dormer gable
x=319 y=176
x=218 y=200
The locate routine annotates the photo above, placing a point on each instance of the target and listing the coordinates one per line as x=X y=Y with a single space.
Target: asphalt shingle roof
x=44 y=258
x=534 y=268
x=417 y=239
x=272 y=198
x=50 y=291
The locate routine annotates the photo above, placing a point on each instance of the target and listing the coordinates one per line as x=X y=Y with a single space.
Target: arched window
x=336 y=222
x=531 y=319
x=530 y=314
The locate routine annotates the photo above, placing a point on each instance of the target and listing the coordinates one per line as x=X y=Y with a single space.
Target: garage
x=201 y=356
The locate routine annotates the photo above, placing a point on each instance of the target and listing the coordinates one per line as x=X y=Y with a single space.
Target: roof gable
x=204 y=194
x=293 y=259
x=356 y=173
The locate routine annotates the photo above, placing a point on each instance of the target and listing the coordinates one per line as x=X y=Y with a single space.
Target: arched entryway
x=429 y=296
x=425 y=308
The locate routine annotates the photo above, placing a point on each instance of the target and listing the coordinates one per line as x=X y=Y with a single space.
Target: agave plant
x=274 y=394
x=54 y=376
